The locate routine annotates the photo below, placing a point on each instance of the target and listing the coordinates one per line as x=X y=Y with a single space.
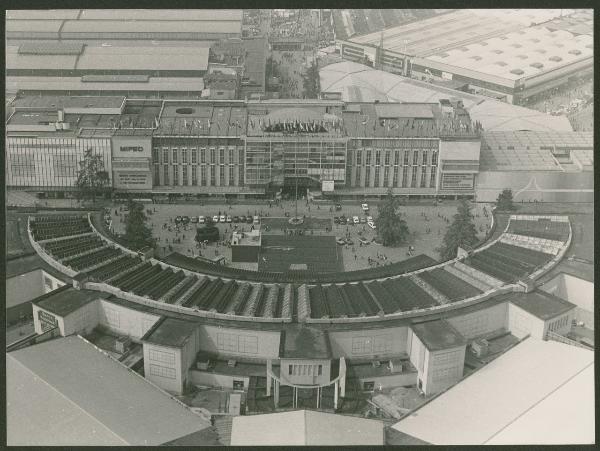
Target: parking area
x=427 y=225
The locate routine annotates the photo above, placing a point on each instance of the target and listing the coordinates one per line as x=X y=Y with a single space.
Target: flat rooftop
x=54 y=103
x=532 y=150
x=202 y=119
x=66 y=392
x=67 y=300
x=438 y=335
x=303 y=342
x=538 y=392
x=444 y=31
x=170 y=332
x=540 y=304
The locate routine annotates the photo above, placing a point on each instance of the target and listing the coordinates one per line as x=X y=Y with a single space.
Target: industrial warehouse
x=508 y=55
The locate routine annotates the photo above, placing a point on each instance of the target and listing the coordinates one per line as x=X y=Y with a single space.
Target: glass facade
x=272 y=161
x=50 y=162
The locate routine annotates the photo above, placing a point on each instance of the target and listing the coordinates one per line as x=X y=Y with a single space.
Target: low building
x=67 y=392
x=437 y=350
x=305 y=428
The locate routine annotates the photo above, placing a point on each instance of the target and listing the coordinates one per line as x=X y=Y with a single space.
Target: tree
x=310 y=81
x=461 y=232
x=137 y=233
x=91 y=177
x=505 y=200
x=392 y=229
x=208 y=233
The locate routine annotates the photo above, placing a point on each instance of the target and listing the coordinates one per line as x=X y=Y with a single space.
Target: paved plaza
x=354 y=256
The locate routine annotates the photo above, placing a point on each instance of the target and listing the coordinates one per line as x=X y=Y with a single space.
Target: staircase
x=222 y=426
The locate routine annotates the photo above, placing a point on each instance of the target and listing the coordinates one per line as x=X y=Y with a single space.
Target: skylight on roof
x=517 y=71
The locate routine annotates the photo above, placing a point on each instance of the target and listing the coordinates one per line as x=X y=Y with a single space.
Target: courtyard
x=427 y=225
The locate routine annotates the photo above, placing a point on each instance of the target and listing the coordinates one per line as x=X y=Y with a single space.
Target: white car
x=355 y=220
x=229 y=219
x=201 y=219
x=222 y=218
x=371 y=224
x=369 y=218
x=365 y=207
x=256 y=220
x=215 y=218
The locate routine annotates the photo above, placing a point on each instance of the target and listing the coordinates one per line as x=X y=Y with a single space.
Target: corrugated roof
x=505 y=397
x=144 y=58
x=150 y=26
x=67 y=392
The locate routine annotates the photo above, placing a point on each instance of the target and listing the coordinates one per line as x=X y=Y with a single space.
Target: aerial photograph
x=299 y=227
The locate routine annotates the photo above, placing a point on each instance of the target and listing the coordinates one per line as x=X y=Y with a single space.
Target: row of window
x=162 y=356
x=442 y=374
x=370 y=345
x=162 y=371
x=198 y=177
x=387 y=157
x=245 y=344
x=185 y=155
x=395 y=181
x=558 y=324
x=305 y=370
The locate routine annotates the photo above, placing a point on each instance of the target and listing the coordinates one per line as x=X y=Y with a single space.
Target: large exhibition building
x=252 y=148
x=512 y=55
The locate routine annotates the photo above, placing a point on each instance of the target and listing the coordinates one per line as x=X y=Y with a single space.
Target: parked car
x=349 y=242
x=242 y=218
x=178 y=219
x=229 y=218
x=248 y=219
x=342 y=220
x=256 y=220
x=371 y=224
x=201 y=219
x=215 y=219
x=340 y=241
x=349 y=221
x=355 y=220
x=364 y=241
x=336 y=220
x=370 y=218
x=236 y=219
x=363 y=220
x=185 y=219
x=365 y=207
x=194 y=219
x=338 y=207
x=222 y=218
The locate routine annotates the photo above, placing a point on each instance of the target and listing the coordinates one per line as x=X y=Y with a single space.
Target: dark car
x=177 y=219
x=342 y=219
x=242 y=218
x=185 y=219
x=236 y=219
x=336 y=220
x=338 y=207
x=349 y=221
x=248 y=219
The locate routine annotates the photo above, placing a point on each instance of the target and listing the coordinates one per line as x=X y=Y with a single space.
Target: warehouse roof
x=580 y=22
x=150 y=26
x=519 y=54
x=539 y=392
x=305 y=427
x=540 y=304
x=62 y=392
x=144 y=58
x=106 y=83
x=453 y=29
x=360 y=83
x=210 y=15
x=67 y=300
x=437 y=335
x=523 y=150
x=41 y=14
x=170 y=332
